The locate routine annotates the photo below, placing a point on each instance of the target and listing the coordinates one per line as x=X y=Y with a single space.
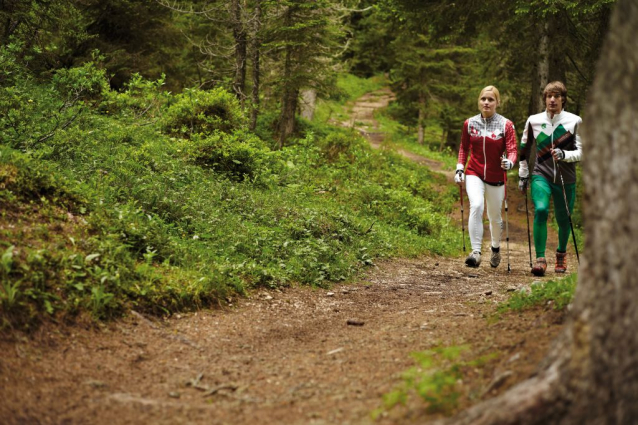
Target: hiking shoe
x=474 y=259
x=561 y=262
x=495 y=259
x=540 y=267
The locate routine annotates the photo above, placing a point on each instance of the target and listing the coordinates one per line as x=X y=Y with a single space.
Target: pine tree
x=302 y=39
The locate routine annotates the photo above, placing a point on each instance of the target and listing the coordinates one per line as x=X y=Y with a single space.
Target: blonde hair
x=494 y=90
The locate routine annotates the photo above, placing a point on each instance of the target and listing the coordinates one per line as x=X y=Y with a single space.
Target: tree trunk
x=256 y=46
x=542 y=68
x=287 y=120
x=239 y=34
x=421 y=133
x=591 y=373
x=557 y=28
x=290 y=93
x=443 y=140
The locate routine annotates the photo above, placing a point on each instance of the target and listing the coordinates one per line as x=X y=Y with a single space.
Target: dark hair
x=556 y=87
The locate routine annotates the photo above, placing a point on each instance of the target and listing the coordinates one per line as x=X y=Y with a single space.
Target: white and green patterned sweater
x=547 y=133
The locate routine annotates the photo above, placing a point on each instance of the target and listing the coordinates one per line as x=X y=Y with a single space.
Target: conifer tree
x=426 y=71
x=302 y=40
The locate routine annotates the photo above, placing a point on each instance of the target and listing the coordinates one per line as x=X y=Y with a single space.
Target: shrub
x=240 y=155
x=341 y=145
x=141 y=99
x=21 y=178
x=83 y=83
x=199 y=111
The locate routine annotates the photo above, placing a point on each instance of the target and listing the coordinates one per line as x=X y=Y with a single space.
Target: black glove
x=522 y=183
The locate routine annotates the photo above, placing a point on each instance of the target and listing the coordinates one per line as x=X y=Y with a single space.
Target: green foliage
x=239 y=155
x=558 y=293
x=141 y=99
x=200 y=111
x=81 y=84
x=168 y=222
x=26 y=180
x=32 y=113
x=435 y=380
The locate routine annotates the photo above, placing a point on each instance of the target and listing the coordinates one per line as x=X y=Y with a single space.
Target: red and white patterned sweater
x=486 y=140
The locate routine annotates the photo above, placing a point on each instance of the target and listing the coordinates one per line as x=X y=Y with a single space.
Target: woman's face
x=488 y=104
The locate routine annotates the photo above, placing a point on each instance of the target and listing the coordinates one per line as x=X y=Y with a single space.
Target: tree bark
x=421 y=120
x=542 y=68
x=557 y=42
x=290 y=93
x=256 y=47
x=239 y=35
x=591 y=374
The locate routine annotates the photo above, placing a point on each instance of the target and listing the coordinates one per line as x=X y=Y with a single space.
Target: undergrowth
x=159 y=202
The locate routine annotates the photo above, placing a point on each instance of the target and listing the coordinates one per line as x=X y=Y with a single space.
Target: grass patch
x=559 y=293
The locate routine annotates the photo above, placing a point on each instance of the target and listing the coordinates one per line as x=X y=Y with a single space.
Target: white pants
x=477 y=192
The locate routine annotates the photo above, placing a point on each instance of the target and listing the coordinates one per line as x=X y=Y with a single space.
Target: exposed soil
x=298 y=356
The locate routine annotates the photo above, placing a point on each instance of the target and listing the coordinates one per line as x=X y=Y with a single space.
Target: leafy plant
x=435 y=380
x=10 y=290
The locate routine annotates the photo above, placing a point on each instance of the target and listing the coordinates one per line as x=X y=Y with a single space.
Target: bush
x=22 y=178
x=203 y=112
x=240 y=155
x=81 y=84
x=141 y=99
x=340 y=145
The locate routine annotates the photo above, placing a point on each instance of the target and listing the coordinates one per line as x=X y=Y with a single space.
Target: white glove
x=459 y=177
x=523 y=169
x=506 y=164
x=558 y=154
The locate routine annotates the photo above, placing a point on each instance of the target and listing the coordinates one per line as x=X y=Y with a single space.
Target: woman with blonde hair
x=489 y=140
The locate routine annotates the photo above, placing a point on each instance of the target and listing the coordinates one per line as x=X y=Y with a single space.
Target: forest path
x=296 y=356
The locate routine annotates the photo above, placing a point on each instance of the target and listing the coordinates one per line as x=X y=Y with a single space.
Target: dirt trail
x=299 y=356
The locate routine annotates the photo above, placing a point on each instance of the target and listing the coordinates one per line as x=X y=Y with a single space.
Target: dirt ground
x=298 y=356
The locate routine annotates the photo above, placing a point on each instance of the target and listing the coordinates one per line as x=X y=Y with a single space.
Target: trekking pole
x=569 y=215
x=507 y=230
x=529 y=238
x=462 y=219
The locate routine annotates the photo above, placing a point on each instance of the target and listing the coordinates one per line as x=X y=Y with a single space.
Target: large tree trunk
x=591 y=374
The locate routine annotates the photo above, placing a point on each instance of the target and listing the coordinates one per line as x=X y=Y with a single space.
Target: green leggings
x=542 y=190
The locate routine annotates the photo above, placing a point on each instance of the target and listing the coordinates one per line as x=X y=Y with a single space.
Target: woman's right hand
x=459 y=177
